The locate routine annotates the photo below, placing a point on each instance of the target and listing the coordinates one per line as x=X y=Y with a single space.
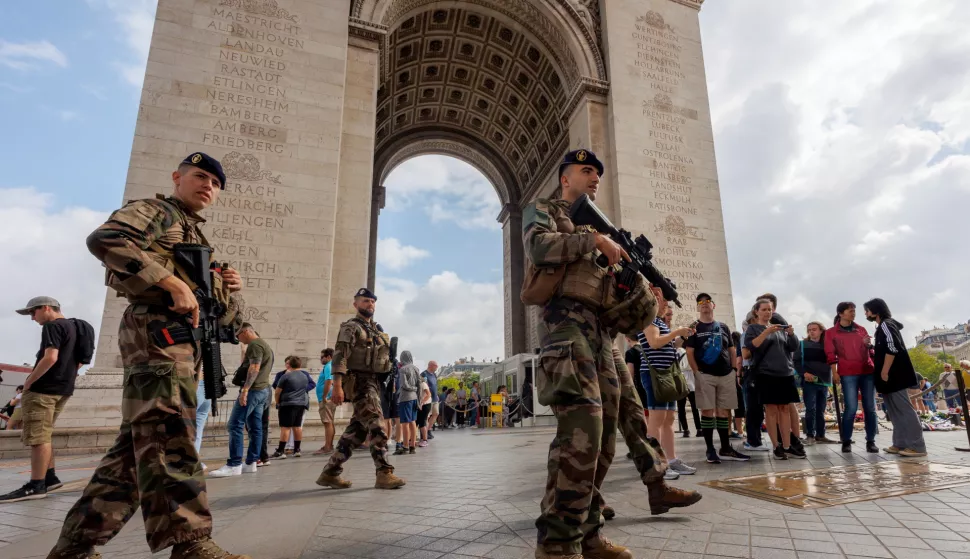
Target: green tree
x=929 y=365
x=450 y=382
x=469 y=378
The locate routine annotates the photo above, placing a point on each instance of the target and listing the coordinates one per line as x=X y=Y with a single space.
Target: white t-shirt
x=18 y=398
x=425 y=394
x=685 y=368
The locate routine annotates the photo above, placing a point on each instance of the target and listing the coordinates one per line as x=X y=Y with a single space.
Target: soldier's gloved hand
x=338 y=394
x=184 y=301
x=231 y=279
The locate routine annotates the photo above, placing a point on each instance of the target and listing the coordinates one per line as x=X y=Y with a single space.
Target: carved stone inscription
x=664 y=144
x=809 y=489
x=248 y=102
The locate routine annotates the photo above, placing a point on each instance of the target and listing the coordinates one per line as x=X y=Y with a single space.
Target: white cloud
x=136 y=19
x=395 y=256
x=42 y=252
x=842 y=152
x=68 y=115
x=444 y=189
x=444 y=319
x=24 y=56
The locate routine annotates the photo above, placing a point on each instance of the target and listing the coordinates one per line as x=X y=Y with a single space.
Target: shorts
x=739 y=411
x=776 y=391
x=291 y=416
x=327 y=411
x=712 y=392
x=40 y=411
x=18 y=414
x=651 y=403
x=423 y=415
x=408 y=411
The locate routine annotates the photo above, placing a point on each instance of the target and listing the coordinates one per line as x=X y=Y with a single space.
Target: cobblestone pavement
x=476 y=494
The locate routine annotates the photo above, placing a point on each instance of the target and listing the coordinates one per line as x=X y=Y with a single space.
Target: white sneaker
x=226 y=471
x=681 y=468
x=759 y=448
x=249 y=468
x=671 y=475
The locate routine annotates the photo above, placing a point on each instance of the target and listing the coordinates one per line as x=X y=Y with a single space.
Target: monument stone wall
x=663 y=160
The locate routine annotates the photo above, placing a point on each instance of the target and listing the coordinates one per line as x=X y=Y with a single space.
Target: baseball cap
x=703 y=297
x=39 y=302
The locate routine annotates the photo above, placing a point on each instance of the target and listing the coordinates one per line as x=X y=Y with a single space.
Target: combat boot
x=607 y=512
x=599 y=547
x=387 y=480
x=204 y=548
x=73 y=552
x=664 y=497
x=333 y=482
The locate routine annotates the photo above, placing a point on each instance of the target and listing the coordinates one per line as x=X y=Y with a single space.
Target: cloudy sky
x=842 y=132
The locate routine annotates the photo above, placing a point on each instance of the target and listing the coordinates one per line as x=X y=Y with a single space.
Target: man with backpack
x=65 y=345
x=710 y=352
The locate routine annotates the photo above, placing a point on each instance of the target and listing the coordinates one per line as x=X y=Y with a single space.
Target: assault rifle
x=584 y=212
x=194 y=262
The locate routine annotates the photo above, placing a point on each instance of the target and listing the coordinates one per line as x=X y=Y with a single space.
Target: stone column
x=662 y=143
x=516 y=340
x=378 y=197
x=262 y=88
x=355 y=231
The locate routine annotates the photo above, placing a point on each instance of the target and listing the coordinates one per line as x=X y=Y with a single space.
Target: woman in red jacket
x=848 y=349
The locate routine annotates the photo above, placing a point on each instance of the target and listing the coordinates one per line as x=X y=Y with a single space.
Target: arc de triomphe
x=310 y=104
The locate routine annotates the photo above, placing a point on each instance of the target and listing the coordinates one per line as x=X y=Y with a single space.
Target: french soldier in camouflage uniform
x=361 y=362
x=153 y=462
x=578 y=376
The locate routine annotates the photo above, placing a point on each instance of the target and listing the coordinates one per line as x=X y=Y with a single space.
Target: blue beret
x=581 y=157
x=364 y=292
x=207 y=163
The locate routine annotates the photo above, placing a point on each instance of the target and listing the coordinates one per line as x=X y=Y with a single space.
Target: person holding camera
x=771 y=346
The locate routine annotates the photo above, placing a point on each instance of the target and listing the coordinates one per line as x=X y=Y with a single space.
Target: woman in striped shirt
x=657 y=342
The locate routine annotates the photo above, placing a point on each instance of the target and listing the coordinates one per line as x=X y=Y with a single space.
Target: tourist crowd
x=761 y=375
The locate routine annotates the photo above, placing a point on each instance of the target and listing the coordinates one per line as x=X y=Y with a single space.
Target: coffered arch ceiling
x=478 y=77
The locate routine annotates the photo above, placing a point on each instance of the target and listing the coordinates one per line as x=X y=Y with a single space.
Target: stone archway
x=312 y=102
x=475 y=82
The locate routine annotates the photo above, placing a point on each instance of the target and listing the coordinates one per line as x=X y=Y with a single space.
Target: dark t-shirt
x=293 y=385
x=59 y=379
x=258 y=351
x=722 y=365
x=633 y=356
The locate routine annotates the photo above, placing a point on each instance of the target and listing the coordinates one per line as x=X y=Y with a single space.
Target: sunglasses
x=704 y=301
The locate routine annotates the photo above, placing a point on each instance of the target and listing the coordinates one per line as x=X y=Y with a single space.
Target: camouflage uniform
x=648 y=456
x=364 y=391
x=153 y=462
x=580 y=385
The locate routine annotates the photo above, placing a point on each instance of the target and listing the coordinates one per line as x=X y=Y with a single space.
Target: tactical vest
x=584 y=280
x=163 y=255
x=370 y=353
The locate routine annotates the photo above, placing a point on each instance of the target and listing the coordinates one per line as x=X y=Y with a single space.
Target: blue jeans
x=201 y=414
x=249 y=416
x=851 y=386
x=952 y=397
x=815 y=396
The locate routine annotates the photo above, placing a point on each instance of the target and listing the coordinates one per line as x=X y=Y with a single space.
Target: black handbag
x=239 y=377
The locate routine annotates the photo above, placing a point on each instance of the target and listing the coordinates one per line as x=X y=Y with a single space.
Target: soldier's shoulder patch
x=348 y=331
x=139 y=214
x=537 y=213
